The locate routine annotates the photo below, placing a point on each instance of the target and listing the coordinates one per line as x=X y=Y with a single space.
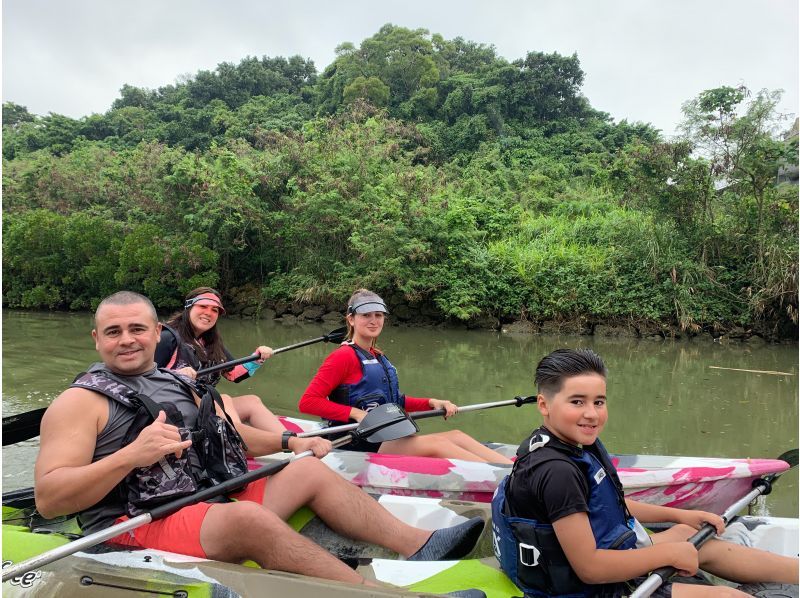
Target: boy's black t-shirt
x=548 y=492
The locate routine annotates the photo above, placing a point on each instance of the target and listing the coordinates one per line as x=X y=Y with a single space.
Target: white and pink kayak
x=705 y=483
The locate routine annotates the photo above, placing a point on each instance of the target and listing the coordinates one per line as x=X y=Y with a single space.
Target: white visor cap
x=365 y=303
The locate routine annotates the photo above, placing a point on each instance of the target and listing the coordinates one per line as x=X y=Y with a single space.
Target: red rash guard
x=341 y=367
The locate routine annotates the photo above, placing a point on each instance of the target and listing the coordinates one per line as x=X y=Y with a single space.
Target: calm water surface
x=664 y=398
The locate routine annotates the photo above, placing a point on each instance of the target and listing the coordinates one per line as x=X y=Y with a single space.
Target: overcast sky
x=642 y=58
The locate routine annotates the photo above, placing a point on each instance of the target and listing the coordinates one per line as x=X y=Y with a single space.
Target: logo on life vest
x=538 y=441
x=599 y=476
x=496 y=541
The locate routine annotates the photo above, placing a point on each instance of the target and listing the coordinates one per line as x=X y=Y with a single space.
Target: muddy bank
x=248 y=302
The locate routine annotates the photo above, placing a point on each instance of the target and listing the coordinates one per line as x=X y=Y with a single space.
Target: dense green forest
x=432 y=170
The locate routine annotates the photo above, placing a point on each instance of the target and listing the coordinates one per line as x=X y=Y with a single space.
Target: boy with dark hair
x=562 y=525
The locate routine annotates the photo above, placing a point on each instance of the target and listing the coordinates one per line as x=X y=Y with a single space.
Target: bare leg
x=253 y=412
x=448 y=445
x=682 y=590
x=341 y=505
x=467 y=442
x=741 y=564
x=243 y=530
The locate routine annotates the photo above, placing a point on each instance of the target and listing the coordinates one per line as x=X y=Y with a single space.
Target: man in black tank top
x=81 y=463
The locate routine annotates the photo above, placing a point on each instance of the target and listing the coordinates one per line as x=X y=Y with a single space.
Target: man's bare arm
x=66 y=480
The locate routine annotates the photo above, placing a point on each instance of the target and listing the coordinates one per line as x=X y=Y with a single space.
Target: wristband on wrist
x=251 y=367
x=285 y=441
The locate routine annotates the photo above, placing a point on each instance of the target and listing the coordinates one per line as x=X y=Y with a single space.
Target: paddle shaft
x=517 y=402
x=157 y=513
x=660 y=575
x=333 y=336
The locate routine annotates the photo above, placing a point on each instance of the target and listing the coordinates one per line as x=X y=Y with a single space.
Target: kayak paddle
x=25 y=426
x=760 y=486
x=22 y=426
x=334 y=336
x=380 y=425
x=516 y=401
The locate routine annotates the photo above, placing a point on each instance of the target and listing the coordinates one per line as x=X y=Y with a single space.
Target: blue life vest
x=378 y=385
x=529 y=551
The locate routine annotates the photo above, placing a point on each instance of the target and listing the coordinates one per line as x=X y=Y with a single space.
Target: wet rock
x=401 y=312
x=607 y=330
x=244 y=300
x=521 y=327
x=267 y=314
x=333 y=316
x=647 y=329
x=483 y=322
x=313 y=313
x=288 y=319
x=705 y=337
x=281 y=307
x=737 y=332
x=575 y=326
x=296 y=308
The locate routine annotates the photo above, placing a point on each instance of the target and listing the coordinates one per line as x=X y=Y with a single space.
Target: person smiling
x=357 y=377
x=562 y=525
x=190 y=341
x=101 y=458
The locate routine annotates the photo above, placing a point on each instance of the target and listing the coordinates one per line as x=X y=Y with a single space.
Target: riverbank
x=248 y=303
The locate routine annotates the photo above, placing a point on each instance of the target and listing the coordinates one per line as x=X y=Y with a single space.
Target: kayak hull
x=684 y=482
x=121 y=571
x=150 y=571
x=115 y=572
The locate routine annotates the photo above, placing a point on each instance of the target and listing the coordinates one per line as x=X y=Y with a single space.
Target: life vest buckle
x=528 y=555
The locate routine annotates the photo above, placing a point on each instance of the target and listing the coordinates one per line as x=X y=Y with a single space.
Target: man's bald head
x=126 y=298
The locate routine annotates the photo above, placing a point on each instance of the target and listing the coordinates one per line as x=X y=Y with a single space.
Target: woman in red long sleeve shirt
x=357 y=377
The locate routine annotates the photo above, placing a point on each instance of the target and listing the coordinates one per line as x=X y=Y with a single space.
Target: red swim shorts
x=180 y=532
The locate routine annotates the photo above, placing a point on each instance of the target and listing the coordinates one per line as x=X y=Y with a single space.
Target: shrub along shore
x=466 y=188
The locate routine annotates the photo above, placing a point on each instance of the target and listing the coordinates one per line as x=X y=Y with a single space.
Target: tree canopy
x=416 y=165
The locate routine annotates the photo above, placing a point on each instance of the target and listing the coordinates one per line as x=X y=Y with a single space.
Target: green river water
x=664 y=397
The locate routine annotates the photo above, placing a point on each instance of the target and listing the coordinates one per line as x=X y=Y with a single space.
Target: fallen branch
x=717 y=367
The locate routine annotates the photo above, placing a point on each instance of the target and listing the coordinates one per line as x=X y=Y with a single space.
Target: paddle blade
x=23 y=426
x=790 y=457
x=336 y=336
x=384 y=423
x=399 y=430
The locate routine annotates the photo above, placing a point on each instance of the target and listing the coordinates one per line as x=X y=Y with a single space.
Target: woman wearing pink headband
x=190 y=341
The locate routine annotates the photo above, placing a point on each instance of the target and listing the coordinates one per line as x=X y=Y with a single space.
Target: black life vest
x=217 y=452
x=173 y=353
x=529 y=551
